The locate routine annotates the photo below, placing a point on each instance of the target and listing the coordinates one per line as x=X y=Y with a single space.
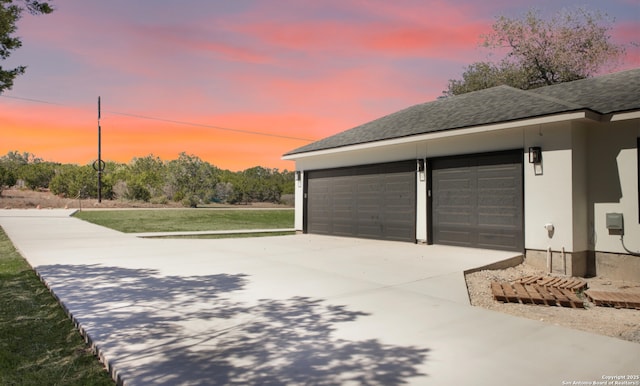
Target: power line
x=177 y=122
x=32 y=100
x=210 y=126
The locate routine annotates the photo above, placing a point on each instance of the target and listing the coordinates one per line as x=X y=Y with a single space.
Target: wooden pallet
x=570 y=283
x=535 y=294
x=614 y=299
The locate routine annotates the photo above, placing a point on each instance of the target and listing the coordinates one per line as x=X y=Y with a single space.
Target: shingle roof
x=605 y=94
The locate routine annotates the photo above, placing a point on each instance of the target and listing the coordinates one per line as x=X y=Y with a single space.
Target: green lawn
x=39 y=344
x=175 y=220
x=229 y=236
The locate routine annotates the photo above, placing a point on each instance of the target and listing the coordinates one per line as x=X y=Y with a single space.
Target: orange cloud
x=69 y=135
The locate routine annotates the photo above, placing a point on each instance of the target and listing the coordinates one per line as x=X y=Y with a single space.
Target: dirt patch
x=619 y=323
x=29 y=199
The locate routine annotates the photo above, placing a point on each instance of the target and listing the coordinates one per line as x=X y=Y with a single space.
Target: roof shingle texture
x=606 y=94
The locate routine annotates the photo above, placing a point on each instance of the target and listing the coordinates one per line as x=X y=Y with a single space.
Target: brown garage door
x=477 y=201
x=372 y=201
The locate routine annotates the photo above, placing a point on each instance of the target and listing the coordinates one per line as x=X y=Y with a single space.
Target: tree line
x=186 y=179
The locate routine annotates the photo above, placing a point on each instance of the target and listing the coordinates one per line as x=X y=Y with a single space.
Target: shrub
x=136 y=191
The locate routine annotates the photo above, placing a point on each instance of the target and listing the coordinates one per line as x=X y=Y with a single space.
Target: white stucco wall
x=613 y=183
x=580 y=191
x=299 y=202
x=547 y=189
x=421 y=207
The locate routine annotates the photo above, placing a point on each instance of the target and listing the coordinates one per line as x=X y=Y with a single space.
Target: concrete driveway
x=297 y=310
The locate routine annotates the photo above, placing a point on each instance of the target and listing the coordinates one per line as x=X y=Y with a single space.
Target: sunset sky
x=238 y=83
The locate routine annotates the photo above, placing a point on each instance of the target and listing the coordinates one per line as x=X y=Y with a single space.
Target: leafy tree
x=263 y=184
x=79 y=181
x=191 y=180
x=137 y=191
x=223 y=192
x=16 y=158
x=240 y=193
x=145 y=178
x=33 y=171
x=259 y=184
x=10 y=13
x=571 y=46
x=7 y=178
x=286 y=180
x=14 y=161
x=37 y=175
x=149 y=171
x=481 y=75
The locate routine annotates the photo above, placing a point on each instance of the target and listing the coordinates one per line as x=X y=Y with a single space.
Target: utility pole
x=99 y=164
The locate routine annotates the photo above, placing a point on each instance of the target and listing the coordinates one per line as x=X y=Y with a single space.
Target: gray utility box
x=615 y=222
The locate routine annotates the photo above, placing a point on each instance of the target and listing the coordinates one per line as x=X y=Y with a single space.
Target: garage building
x=535 y=171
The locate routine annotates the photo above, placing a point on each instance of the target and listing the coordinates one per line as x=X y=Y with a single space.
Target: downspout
x=564 y=261
x=549 y=260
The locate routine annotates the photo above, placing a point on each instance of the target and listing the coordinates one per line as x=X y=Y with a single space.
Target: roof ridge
x=548 y=98
x=531 y=92
x=475 y=92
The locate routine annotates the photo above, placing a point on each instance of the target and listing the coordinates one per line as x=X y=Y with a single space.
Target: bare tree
x=572 y=45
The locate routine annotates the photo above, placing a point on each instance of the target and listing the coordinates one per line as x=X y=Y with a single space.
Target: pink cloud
x=372 y=39
x=426 y=41
x=434 y=29
x=196 y=39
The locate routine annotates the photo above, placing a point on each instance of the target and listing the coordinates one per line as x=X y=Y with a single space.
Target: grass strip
x=176 y=220
x=39 y=345
x=229 y=236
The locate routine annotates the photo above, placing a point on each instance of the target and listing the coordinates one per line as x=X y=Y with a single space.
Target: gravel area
x=619 y=323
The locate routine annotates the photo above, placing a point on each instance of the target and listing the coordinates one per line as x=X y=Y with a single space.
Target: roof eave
x=563 y=117
x=622 y=116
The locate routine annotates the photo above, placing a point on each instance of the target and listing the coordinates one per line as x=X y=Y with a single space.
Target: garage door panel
x=497 y=240
x=478 y=201
x=458 y=200
x=498 y=202
x=506 y=220
x=497 y=183
x=396 y=234
x=456 y=238
x=445 y=219
x=373 y=201
x=342 y=209
x=367 y=232
x=343 y=188
x=461 y=182
x=399 y=216
x=340 y=229
x=317 y=208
